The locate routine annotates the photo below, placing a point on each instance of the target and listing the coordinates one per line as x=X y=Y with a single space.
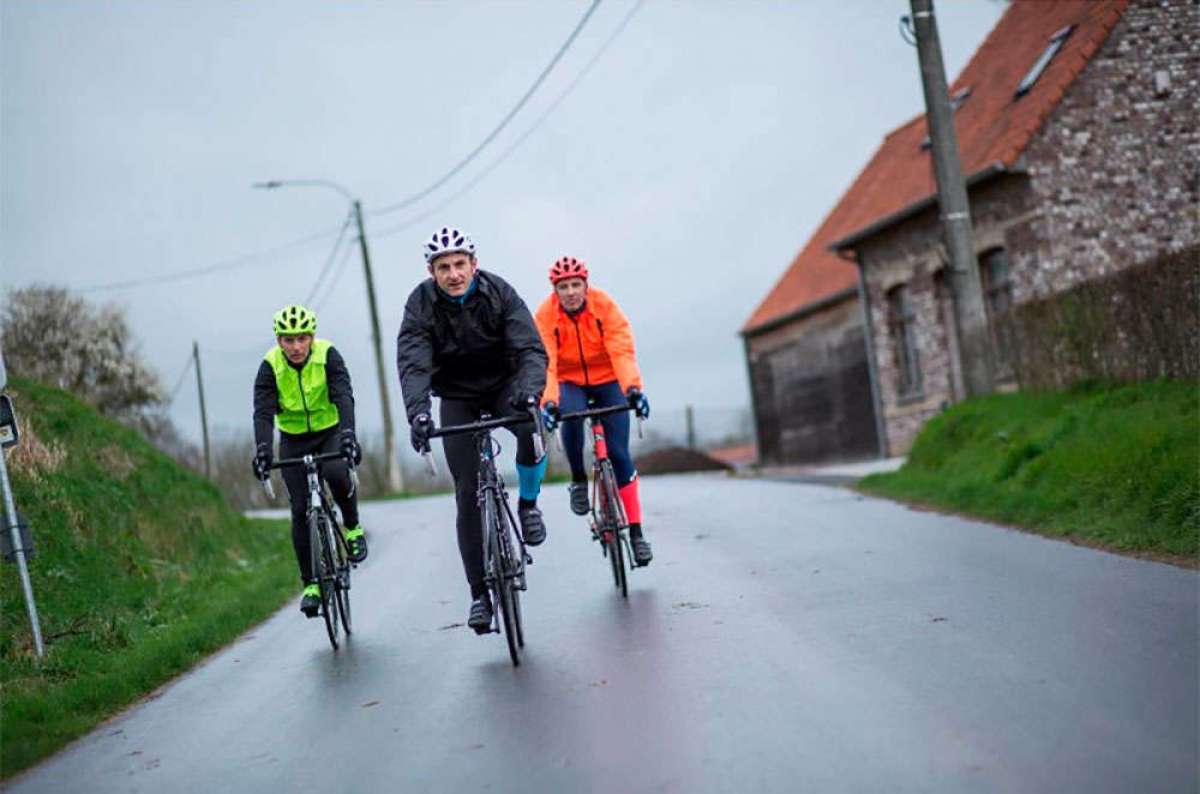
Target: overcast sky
x=687 y=167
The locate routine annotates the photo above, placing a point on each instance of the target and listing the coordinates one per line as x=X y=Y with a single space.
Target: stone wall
x=1116 y=166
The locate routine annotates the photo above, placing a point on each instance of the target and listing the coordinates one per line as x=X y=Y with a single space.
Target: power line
x=337 y=275
x=524 y=136
x=407 y=201
x=227 y=264
x=330 y=259
x=187 y=365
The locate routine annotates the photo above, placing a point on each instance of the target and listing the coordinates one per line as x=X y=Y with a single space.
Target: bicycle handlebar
x=480 y=425
x=539 y=446
x=595 y=413
x=284 y=463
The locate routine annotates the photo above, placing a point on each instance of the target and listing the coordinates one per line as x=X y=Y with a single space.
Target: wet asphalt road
x=787 y=638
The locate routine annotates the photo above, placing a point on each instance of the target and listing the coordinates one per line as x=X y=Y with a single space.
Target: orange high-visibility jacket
x=593 y=347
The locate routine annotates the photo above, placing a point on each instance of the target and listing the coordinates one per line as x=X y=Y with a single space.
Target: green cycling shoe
x=356 y=543
x=310 y=600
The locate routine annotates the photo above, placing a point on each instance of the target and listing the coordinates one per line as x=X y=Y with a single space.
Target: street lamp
x=395 y=480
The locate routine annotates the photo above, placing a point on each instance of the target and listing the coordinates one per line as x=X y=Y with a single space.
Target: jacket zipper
x=304 y=402
x=582 y=360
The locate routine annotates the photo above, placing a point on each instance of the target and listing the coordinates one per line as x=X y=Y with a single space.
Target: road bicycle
x=328 y=549
x=608 y=522
x=504 y=554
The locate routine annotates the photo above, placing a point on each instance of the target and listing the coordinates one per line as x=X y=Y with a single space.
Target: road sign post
x=9 y=437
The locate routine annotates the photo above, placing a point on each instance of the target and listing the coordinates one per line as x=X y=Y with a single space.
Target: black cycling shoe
x=642 y=555
x=480 y=618
x=533 y=529
x=578 y=492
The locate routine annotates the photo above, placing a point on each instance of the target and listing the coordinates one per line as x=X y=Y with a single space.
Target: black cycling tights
x=335 y=472
x=463 y=460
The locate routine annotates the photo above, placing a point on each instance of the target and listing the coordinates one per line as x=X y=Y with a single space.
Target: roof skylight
x=1039 y=66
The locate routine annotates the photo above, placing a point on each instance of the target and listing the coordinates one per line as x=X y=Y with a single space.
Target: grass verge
x=141 y=569
x=1116 y=467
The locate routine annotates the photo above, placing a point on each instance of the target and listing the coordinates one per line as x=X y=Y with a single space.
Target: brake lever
x=539 y=441
x=270 y=489
x=430 y=465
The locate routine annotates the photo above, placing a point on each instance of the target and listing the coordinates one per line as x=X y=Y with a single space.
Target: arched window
x=995 y=273
x=902 y=329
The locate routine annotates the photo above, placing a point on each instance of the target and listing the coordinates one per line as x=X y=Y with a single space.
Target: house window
x=996 y=276
x=1039 y=66
x=902 y=328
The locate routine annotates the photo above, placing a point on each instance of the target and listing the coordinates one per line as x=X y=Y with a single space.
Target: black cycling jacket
x=468 y=349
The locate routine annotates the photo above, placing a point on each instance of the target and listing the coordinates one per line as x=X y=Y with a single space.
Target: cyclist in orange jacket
x=590 y=346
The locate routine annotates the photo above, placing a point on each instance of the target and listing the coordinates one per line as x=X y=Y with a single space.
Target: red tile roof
x=992 y=126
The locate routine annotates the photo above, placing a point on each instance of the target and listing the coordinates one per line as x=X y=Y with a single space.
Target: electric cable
x=420 y=194
x=329 y=260
x=524 y=136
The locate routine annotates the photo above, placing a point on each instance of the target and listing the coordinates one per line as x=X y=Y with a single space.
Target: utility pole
x=394 y=476
x=203 y=410
x=975 y=343
x=395 y=480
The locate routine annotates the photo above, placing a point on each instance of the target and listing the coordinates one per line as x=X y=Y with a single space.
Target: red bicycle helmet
x=568 y=267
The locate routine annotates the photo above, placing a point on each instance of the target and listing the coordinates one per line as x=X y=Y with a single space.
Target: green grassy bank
x=1113 y=466
x=140 y=570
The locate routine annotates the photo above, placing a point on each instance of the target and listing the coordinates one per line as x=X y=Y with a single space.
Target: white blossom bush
x=53 y=337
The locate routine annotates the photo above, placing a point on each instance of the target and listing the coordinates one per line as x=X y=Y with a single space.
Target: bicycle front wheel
x=342 y=579
x=501 y=567
x=612 y=516
x=513 y=581
x=326 y=575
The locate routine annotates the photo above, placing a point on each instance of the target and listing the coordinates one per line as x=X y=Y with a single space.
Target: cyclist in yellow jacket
x=303 y=389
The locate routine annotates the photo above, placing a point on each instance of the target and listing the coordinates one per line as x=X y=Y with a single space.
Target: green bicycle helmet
x=294 y=320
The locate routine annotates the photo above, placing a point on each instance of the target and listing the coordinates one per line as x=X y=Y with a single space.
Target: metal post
x=976 y=353
x=203 y=410
x=10 y=510
x=395 y=479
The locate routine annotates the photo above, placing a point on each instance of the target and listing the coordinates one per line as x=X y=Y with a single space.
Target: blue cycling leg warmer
x=531 y=479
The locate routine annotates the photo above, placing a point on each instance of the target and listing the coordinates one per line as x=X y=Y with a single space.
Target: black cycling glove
x=262 y=461
x=348 y=443
x=638 y=402
x=419 y=432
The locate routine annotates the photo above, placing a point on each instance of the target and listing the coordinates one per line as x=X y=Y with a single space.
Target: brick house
x=1078 y=135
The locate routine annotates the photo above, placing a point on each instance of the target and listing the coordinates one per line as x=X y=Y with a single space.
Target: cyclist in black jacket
x=468 y=338
x=303 y=388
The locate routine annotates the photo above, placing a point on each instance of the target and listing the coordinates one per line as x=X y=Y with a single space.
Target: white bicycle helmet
x=448 y=241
